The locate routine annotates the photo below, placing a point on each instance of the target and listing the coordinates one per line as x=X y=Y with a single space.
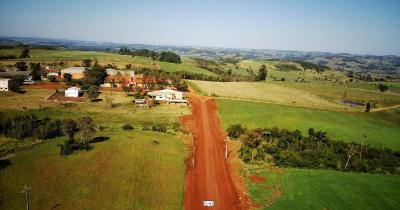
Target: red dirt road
x=208 y=176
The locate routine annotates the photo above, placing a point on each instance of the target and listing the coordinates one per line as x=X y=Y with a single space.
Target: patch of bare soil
x=257 y=179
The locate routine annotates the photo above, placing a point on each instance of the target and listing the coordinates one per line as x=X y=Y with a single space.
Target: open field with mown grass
x=320 y=189
x=127 y=171
x=75 y=57
x=381 y=128
x=316 y=95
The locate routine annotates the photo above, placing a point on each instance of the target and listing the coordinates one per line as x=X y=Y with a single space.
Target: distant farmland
x=74 y=57
x=315 y=95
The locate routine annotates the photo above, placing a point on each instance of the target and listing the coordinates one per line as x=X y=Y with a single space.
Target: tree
x=35 y=71
x=234 y=131
x=87 y=62
x=67 y=77
x=382 y=87
x=95 y=75
x=350 y=151
x=69 y=128
x=25 y=53
x=368 y=107
x=171 y=57
x=92 y=92
x=21 y=66
x=262 y=73
x=87 y=130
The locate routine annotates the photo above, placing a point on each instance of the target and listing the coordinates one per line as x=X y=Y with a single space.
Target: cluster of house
x=118 y=77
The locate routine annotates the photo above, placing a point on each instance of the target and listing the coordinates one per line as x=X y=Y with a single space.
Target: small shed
x=72 y=92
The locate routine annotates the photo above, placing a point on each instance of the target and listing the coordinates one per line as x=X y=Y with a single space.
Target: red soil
x=208 y=175
x=257 y=179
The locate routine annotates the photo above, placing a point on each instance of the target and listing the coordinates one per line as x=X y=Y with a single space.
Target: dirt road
x=208 y=176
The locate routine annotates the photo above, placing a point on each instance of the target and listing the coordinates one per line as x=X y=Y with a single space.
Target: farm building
x=167 y=95
x=72 y=92
x=5 y=84
x=76 y=72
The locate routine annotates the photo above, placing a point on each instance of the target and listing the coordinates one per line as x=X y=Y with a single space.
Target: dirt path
x=385 y=108
x=208 y=176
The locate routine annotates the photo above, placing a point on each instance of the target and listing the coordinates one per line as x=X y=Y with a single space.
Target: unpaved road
x=208 y=176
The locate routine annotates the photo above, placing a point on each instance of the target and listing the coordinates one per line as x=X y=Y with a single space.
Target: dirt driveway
x=208 y=176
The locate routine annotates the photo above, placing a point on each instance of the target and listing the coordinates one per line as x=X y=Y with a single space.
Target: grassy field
x=74 y=57
x=381 y=128
x=127 y=171
x=319 y=189
x=314 y=95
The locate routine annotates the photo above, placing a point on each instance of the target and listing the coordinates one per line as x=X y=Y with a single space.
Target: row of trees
x=291 y=149
x=165 y=56
x=30 y=126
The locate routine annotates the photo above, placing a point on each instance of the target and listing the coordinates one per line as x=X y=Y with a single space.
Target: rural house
x=72 y=92
x=76 y=72
x=167 y=95
x=5 y=84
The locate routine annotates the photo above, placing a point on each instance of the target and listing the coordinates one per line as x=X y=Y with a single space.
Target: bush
x=159 y=128
x=234 y=131
x=127 y=127
x=52 y=78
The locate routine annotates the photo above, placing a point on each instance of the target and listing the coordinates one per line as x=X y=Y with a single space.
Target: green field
x=319 y=189
x=127 y=171
x=381 y=128
x=315 y=95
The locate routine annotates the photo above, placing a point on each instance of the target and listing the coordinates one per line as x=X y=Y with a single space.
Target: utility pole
x=26 y=192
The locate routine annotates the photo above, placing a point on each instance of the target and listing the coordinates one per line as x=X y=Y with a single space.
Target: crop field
x=381 y=128
x=314 y=95
x=320 y=189
x=127 y=171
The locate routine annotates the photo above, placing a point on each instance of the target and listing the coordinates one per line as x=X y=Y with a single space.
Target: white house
x=167 y=95
x=5 y=84
x=72 y=92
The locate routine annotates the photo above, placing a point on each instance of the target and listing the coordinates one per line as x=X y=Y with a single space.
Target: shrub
x=52 y=78
x=127 y=127
x=234 y=131
x=159 y=128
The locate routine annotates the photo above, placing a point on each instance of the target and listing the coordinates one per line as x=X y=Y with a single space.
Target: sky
x=340 y=26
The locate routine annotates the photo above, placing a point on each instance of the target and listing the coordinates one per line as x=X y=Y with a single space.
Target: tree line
x=29 y=126
x=286 y=148
x=165 y=56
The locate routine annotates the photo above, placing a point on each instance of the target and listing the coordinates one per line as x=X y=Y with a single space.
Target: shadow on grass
x=4 y=163
x=99 y=139
x=97 y=100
